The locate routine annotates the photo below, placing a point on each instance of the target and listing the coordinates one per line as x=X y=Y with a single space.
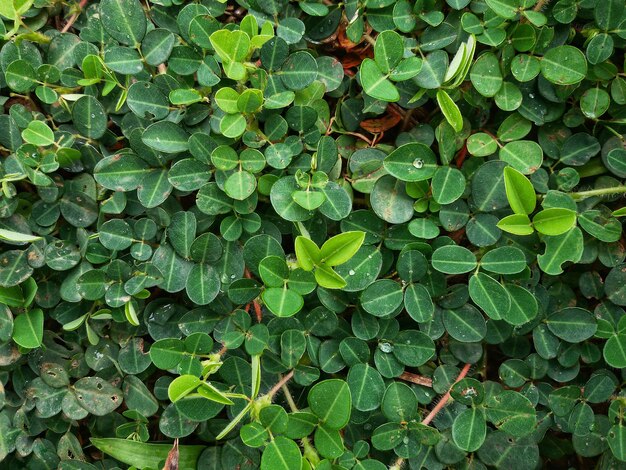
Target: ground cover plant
x=293 y=235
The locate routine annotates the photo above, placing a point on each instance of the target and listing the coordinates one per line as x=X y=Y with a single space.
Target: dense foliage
x=294 y=235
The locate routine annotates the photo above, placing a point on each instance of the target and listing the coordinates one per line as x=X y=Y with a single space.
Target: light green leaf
x=450 y=110
x=340 y=248
x=554 y=221
x=28 y=328
x=519 y=192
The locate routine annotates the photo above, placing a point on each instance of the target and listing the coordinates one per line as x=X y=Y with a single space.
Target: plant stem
x=417 y=379
x=426 y=421
x=280 y=383
x=540 y=5
x=72 y=19
x=290 y=401
x=309 y=451
x=599 y=192
x=369 y=39
x=446 y=397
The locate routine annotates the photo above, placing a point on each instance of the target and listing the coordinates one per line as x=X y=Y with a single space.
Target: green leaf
x=340 y=248
x=299 y=71
x=233 y=125
x=382 y=297
x=331 y=401
x=572 y=324
x=617 y=441
x=281 y=454
x=203 y=284
x=328 y=442
x=20 y=76
x=97 y=396
x=523 y=155
x=517 y=224
x=147 y=101
x=390 y=200
x=448 y=185
x=231 y=46
x=28 y=329
x=144 y=454
x=120 y=172
x=208 y=391
x=307 y=253
x=486 y=75
x=388 y=50
x=614 y=351
x=554 y=221
x=167 y=353
x=38 y=133
x=165 y=136
x=413 y=348
x=450 y=110
x=328 y=278
x=90 y=117
x=560 y=249
x=453 y=259
x=399 y=402
x=376 y=84
x=366 y=387
x=10 y=235
x=504 y=8
x=411 y=162
x=512 y=412
x=124 y=20
x=240 y=185
x=519 y=192
x=564 y=65
x=489 y=295
x=185 y=97
x=282 y=302
x=469 y=429
x=182 y=386
x=253 y=434
x=310 y=200
x=465 y=324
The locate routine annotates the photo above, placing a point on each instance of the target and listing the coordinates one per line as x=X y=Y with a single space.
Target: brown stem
x=540 y=5
x=280 y=383
x=369 y=39
x=257 y=306
x=330 y=125
x=446 y=397
x=417 y=379
x=360 y=136
x=72 y=19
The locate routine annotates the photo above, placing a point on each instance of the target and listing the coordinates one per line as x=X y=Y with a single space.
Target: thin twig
x=280 y=383
x=540 y=5
x=398 y=463
x=417 y=379
x=369 y=39
x=309 y=451
x=73 y=18
x=257 y=306
x=446 y=397
x=290 y=401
